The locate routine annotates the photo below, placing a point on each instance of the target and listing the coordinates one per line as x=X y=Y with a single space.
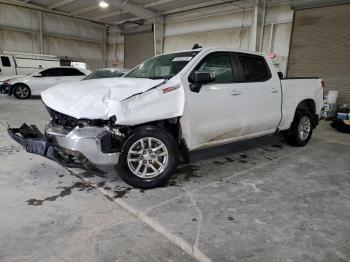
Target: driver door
x=211 y=115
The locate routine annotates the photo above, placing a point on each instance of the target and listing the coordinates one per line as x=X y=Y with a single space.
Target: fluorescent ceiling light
x=103 y=4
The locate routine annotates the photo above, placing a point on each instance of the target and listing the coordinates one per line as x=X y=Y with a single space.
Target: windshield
x=108 y=73
x=164 y=66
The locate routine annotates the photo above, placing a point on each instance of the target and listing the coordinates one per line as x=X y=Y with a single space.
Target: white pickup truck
x=169 y=105
x=14 y=64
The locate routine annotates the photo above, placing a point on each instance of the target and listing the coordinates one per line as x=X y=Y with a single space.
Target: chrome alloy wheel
x=147 y=157
x=304 y=128
x=22 y=91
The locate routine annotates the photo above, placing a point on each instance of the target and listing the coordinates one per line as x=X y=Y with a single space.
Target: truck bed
x=297 y=89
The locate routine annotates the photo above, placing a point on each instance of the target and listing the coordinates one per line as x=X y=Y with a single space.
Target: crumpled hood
x=94 y=99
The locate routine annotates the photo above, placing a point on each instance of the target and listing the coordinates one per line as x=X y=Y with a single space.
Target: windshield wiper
x=161 y=77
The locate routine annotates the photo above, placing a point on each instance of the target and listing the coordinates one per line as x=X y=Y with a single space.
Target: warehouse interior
x=253 y=200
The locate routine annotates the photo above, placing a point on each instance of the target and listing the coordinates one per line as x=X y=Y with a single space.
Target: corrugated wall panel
x=63 y=36
x=62 y=25
x=321 y=47
x=24 y=18
x=225 y=39
x=137 y=48
x=19 y=41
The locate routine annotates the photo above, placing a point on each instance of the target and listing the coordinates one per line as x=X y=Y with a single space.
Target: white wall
x=116 y=48
x=277 y=34
x=25 y=19
x=223 y=25
x=208 y=27
x=228 y=26
x=64 y=36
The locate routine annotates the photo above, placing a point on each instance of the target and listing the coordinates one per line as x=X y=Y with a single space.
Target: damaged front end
x=73 y=142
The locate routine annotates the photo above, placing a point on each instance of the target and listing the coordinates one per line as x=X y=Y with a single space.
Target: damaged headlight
x=69 y=122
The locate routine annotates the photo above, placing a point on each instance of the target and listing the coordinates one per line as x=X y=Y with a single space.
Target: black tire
x=21 y=91
x=124 y=170
x=293 y=136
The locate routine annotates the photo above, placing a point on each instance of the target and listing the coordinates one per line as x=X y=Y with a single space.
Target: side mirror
x=280 y=75
x=37 y=75
x=201 y=78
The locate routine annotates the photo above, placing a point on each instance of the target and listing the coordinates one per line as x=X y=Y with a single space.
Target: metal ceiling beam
x=151 y=4
x=110 y=14
x=126 y=20
x=157 y=2
x=139 y=11
x=177 y=10
x=26 y=4
x=85 y=10
x=300 y=4
x=196 y=6
x=40 y=8
x=61 y=3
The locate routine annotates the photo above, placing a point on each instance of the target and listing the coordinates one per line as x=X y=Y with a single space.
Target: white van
x=14 y=64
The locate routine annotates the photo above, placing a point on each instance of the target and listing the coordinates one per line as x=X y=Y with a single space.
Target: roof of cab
x=218 y=49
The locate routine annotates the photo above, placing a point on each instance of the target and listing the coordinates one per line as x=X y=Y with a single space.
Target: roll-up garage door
x=320 y=46
x=138 y=47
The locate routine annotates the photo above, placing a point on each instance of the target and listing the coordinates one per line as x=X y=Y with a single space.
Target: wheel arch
x=308 y=104
x=173 y=127
x=18 y=84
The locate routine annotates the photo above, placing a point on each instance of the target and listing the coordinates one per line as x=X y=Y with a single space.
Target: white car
x=106 y=73
x=147 y=120
x=34 y=84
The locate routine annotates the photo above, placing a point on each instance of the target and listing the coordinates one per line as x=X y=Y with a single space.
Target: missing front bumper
x=30 y=138
x=35 y=142
x=80 y=147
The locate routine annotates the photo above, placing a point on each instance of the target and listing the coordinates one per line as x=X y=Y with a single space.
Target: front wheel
x=149 y=158
x=21 y=92
x=301 y=129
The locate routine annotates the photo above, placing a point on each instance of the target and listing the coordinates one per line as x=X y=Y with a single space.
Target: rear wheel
x=21 y=92
x=149 y=158
x=301 y=129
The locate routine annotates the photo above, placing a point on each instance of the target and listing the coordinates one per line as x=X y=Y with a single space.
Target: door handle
x=235 y=93
x=274 y=90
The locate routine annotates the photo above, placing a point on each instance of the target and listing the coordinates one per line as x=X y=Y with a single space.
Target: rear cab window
x=71 y=72
x=253 y=68
x=52 y=72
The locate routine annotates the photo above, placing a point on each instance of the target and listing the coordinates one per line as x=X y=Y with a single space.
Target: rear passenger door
x=44 y=80
x=260 y=95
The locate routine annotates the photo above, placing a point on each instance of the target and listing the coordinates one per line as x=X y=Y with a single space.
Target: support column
x=41 y=37
x=257 y=26
x=158 y=30
x=272 y=28
x=105 y=45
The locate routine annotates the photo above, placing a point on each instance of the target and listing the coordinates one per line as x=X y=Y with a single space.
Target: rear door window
x=71 y=72
x=254 y=68
x=52 y=72
x=5 y=61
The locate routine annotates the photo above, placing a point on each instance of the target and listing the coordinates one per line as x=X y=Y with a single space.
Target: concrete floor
x=258 y=200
